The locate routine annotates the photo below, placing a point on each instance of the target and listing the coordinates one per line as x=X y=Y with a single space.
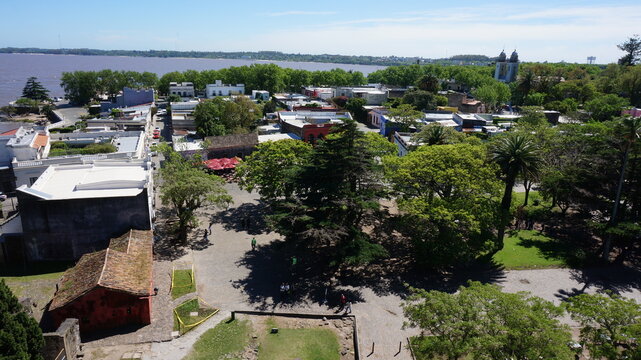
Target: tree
x=80 y=86
x=437 y=134
x=333 y=192
x=606 y=107
x=218 y=116
x=482 y=322
x=187 y=188
x=611 y=325
x=34 y=90
x=428 y=82
x=632 y=48
x=492 y=94
x=516 y=154
x=405 y=115
x=532 y=116
x=174 y=98
x=355 y=106
x=630 y=130
x=420 y=99
x=631 y=84
x=20 y=335
x=448 y=193
x=268 y=168
x=378 y=146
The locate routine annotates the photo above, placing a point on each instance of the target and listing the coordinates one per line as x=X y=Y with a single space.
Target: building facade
x=220 y=89
x=184 y=89
x=72 y=210
x=311 y=126
x=506 y=70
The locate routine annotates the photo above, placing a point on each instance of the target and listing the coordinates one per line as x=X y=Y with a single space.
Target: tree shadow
x=246 y=217
x=166 y=243
x=618 y=279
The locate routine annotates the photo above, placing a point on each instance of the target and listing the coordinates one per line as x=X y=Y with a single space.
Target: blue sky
x=544 y=30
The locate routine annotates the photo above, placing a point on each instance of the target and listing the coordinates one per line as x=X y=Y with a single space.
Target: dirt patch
x=38 y=292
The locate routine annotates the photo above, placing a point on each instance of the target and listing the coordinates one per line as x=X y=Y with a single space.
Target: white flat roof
x=276 y=137
x=97 y=180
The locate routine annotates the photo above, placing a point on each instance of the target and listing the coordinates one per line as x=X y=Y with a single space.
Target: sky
x=542 y=30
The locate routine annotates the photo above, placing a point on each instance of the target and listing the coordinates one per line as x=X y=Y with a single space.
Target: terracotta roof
x=230 y=141
x=40 y=141
x=10 y=132
x=126 y=266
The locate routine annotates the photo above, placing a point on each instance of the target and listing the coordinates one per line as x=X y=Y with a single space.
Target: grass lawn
x=183 y=283
x=303 y=344
x=530 y=249
x=519 y=197
x=183 y=311
x=225 y=341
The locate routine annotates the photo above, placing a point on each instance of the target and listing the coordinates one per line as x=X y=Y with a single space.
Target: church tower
x=506 y=70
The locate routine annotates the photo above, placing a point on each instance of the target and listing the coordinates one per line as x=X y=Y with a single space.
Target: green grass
x=183 y=311
x=183 y=283
x=303 y=344
x=519 y=197
x=225 y=341
x=530 y=249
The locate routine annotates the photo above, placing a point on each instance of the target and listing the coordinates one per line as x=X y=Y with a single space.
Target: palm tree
x=516 y=154
x=630 y=129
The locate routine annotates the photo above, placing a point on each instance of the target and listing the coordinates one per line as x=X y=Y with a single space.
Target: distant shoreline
x=267 y=56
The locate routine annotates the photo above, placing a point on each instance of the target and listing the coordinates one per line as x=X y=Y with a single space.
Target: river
x=16 y=68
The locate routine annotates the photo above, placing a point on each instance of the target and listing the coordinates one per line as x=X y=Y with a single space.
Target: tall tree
x=406 y=115
x=610 y=325
x=268 y=168
x=516 y=154
x=632 y=48
x=448 y=196
x=630 y=130
x=34 y=90
x=437 y=134
x=20 y=335
x=333 y=192
x=187 y=188
x=80 y=86
x=482 y=322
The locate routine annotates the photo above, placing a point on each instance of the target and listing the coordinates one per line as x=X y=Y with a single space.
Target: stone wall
x=65 y=341
x=67 y=229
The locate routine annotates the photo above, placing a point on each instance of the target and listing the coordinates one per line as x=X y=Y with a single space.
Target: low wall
x=64 y=343
x=308 y=316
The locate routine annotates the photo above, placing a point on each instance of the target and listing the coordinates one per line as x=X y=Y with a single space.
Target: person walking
x=348 y=308
x=253 y=244
x=343 y=301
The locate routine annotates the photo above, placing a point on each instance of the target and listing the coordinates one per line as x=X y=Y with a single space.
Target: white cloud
x=564 y=33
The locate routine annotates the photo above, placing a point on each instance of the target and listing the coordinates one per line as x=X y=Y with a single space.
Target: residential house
x=262 y=95
x=108 y=288
x=128 y=98
x=373 y=95
x=311 y=125
x=182 y=115
x=229 y=146
x=129 y=119
x=323 y=93
x=72 y=210
x=220 y=89
x=184 y=89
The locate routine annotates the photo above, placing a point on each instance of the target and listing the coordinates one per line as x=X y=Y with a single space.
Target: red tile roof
x=40 y=141
x=10 y=132
x=126 y=266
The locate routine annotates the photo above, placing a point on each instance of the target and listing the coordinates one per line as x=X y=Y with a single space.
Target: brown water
x=16 y=68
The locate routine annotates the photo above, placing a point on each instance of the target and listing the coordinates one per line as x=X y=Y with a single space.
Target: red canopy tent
x=221 y=164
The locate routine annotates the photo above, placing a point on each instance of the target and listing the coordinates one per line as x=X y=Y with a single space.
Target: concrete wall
x=64 y=343
x=67 y=229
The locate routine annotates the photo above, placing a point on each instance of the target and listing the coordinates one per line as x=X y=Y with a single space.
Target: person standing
x=343 y=301
x=253 y=244
x=348 y=308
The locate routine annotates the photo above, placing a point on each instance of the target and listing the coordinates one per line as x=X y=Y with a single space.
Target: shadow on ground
x=618 y=279
x=166 y=244
x=245 y=217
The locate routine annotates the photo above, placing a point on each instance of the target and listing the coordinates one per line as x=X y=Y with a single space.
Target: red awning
x=221 y=164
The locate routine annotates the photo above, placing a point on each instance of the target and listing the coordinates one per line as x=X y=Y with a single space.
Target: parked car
x=156 y=135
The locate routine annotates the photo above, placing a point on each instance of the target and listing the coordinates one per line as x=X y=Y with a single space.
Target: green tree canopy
x=611 y=325
x=20 y=335
x=187 y=188
x=268 y=168
x=218 y=116
x=606 y=107
x=333 y=192
x=449 y=194
x=481 y=322
x=406 y=115
x=34 y=90
x=632 y=49
x=437 y=134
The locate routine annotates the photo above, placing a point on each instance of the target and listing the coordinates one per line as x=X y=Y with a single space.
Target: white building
x=260 y=95
x=373 y=95
x=184 y=89
x=220 y=89
x=182 y=117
